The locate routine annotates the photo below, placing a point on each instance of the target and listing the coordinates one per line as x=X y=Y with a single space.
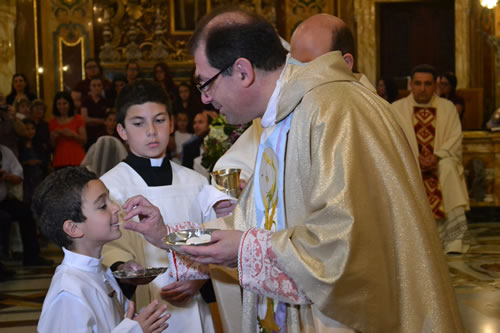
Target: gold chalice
x=227 y=181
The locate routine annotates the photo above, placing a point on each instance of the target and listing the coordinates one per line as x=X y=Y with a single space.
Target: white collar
x=269 y=117
x=81 y=261
x=156 y=162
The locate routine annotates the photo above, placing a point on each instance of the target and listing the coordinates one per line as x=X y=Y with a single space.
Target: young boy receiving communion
x=75 y=212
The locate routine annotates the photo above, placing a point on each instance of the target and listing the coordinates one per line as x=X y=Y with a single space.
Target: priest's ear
x=73 y=229
x=244 y=72
x=349 y=59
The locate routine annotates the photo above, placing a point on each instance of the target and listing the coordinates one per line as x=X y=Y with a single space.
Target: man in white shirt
x=11 y=174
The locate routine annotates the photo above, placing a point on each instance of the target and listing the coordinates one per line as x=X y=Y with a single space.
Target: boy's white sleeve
x=128 y=326
x=77 y=317
x=68 y=313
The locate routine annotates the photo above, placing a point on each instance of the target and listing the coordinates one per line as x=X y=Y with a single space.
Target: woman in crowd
x=119 y=81
x=92 y=70
x=11 y=128
x=20 y=89
x=181 y=135
x=448 y=90
x=188 y=102
x=67 y=132
x=94 y=107
x=132 y=71
x=387 y=89
x=162 y=76
x=41 y=141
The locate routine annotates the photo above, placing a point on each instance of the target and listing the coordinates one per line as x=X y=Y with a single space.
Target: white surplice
x=78 y=299
x=177 y=203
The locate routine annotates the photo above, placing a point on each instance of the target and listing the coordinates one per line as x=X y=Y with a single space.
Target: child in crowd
x=31 y=162
x=181 y=135
x=76 y=213
x=23 y=108
x=144 y=123
x=110 y=124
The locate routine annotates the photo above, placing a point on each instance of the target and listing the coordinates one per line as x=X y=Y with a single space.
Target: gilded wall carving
x=298 y=10
x=7 y=46
x=151 y=31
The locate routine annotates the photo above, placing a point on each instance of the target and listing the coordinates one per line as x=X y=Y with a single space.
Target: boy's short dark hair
x=138 y=93
x=59 y=198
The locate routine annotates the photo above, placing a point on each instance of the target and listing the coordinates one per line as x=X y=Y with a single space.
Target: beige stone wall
x=7 y=44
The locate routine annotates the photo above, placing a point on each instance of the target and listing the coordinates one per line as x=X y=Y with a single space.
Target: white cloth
x=209 y=196
x=11 y=165
x=178 y=203
x=200 y=168
x=104 y=154
x=78 y=299
x=180 y=139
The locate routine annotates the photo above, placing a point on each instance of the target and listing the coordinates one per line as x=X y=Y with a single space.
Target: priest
x=432 y=126
x=333 y=232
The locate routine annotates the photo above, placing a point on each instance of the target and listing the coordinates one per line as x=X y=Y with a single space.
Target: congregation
x=78 y=132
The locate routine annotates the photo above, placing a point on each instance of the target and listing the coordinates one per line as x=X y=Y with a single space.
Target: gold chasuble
x=424 y=123
x=360 y=240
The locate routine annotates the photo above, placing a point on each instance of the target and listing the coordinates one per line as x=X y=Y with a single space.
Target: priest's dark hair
x=137 y=93
x=59 y=198
x=424 y=68
x=239 y=34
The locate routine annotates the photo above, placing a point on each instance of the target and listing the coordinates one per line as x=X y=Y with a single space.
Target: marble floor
x=475 y=276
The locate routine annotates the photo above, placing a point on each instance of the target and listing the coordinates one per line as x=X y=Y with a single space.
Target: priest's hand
x=178 y=293
x=223 y=252
x=151 y=222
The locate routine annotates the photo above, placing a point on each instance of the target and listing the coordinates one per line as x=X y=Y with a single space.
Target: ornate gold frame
x=61 y=41
x=174 y=32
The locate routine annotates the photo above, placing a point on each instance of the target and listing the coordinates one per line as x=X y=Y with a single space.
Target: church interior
x=49 y=42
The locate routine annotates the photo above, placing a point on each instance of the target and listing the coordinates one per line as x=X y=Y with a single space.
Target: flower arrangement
x=219 y=139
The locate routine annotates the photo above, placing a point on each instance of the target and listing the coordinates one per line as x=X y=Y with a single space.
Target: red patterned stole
x=424 y=123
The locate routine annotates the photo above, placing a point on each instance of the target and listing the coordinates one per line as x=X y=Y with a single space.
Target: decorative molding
x=60 y=65
x=69 y=34
x=298 y=10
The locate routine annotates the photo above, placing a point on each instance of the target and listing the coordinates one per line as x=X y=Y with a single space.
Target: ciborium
x=227 y=181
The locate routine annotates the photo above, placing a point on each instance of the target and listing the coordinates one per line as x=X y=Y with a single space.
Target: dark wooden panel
x=416 y=33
